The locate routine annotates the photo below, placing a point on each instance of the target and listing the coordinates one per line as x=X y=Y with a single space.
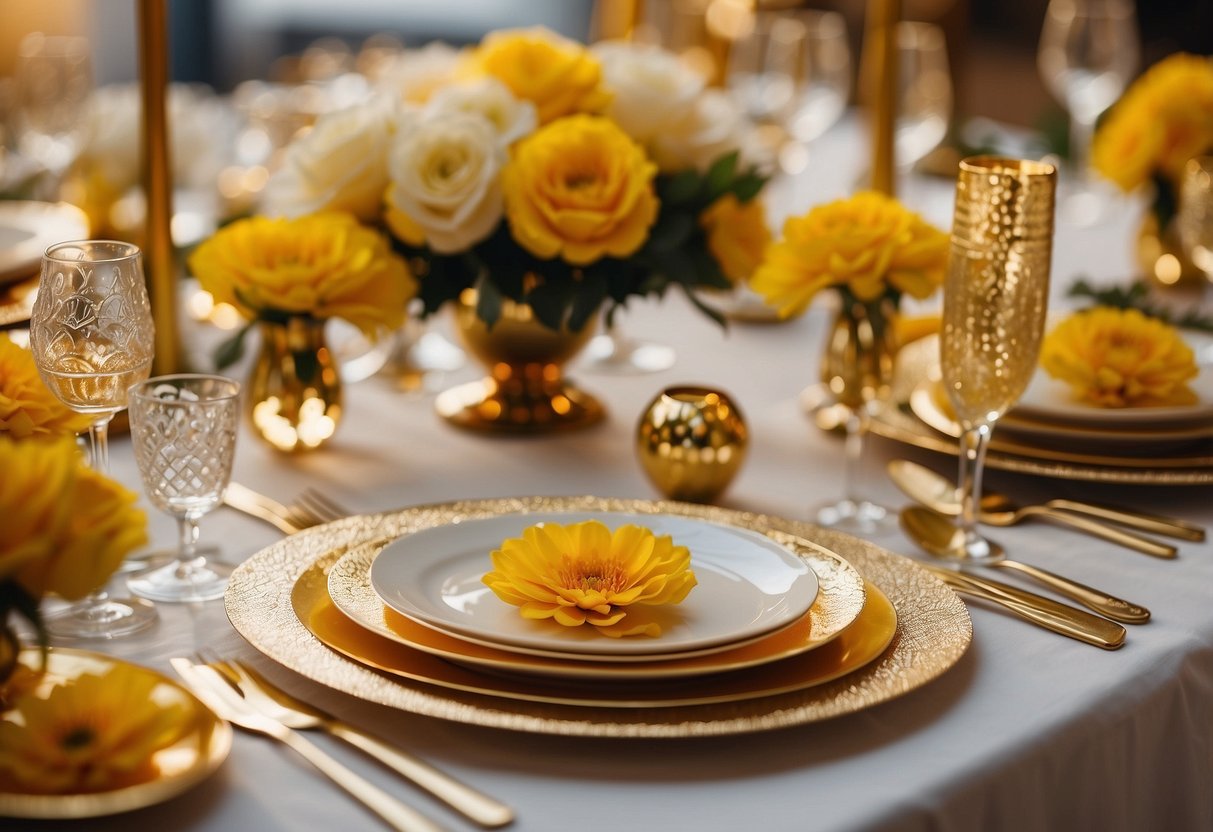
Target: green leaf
x=307 y=364
x=587 y=299
x=747 y=186
x=231 y=350
x=680 y=188
x=720 y=175
x=708 y=272
x=698 y=303
x=550 y=303
x=670 y=232
x=488 y=301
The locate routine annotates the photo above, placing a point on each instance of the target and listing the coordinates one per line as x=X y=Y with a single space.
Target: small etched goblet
x=184 y=432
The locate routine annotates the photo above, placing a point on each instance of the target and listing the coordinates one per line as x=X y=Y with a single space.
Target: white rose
x=491 y=99
x=416 y=74
x=713 y=127
x=340 y=164
x=445 y=177
x=651 y=88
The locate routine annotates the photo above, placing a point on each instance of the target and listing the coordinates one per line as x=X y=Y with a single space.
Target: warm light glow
x=316 y=421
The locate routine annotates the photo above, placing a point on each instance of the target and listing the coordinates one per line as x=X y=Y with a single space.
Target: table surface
x=1029 y=731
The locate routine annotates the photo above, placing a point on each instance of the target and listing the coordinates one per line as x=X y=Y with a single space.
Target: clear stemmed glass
x=184 y=432
x=1196 y=213
x=995 y=298
x=1088 y=54
x=91 y=335
x=53 y=81
x=615 y=352
x=924 y=83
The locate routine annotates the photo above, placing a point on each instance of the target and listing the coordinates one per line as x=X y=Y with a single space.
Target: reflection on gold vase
x=1162 y=256
x=691 y=442
x=294 y=392
x=525 y=391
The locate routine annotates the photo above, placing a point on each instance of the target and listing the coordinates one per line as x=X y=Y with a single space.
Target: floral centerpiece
x=1164 y=119
x=28 y=409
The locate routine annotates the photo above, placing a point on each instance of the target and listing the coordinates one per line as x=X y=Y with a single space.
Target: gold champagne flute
x=995 y=298
x=1196 y=213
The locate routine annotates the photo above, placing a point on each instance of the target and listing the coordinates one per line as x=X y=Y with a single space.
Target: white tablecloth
x=1029 y=731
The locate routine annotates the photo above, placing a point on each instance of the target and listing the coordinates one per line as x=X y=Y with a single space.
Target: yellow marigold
x=27 y=407
x=1164 y=119
x=559 y=76
x=586 y=574
x=869 y=243
x=580 y=188
x=325 y=265
x=97 y=732
x=1120 y=358
x=38 y=477
x=737 y=235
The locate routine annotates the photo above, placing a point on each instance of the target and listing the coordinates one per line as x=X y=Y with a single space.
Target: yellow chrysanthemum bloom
x=38 y=478
x=559 y=76
x=580 y=188
x=737 y=235
x=27 y=407
x=1163 y=120
x=325 y=265
x=94 y=733
x=1120 y=358
x=586 y=574
x=869 y=243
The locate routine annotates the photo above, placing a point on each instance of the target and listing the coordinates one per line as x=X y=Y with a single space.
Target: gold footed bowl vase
x=526 y=391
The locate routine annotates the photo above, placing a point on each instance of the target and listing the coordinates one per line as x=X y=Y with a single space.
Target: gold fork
x=311 y=508
x=297 y=714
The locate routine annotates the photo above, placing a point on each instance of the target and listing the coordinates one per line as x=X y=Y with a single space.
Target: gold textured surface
x=839 y=601
x=187 y=762
x=933 y=630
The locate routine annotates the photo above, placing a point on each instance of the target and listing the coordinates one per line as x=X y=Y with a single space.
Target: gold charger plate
x=187 y=762
x=840 y=600
x=933 y=631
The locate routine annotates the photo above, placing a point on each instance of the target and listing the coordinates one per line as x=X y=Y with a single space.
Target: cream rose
x=711 y=128
x=339 y=165
x=489 y=98
x=416 y=74
x=651 y=88
x=445 y=182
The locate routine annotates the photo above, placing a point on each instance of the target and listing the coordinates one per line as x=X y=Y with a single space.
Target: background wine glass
x=1196 y=213
x=91 y=336
x=924 y=82
x=1088 y=54
x=184 y=432
x=995 y=298
x=53 y=81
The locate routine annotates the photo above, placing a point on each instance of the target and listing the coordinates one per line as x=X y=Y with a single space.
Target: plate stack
x=393 y=609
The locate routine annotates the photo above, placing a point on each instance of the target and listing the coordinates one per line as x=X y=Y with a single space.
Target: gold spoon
x=938 y=537
x=937 y=493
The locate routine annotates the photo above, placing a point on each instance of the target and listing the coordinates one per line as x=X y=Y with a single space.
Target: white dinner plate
x=27 y=228
x=747 y=585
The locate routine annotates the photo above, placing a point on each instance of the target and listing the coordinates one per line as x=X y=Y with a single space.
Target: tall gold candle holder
x=995 y=298
x=879 y=64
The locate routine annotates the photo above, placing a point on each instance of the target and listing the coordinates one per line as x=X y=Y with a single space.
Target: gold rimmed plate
x=28 y=228
x=839 y=602
x=200 y=750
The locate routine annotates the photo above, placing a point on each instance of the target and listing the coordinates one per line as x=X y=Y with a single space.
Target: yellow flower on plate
x=559 y=76
x=1163 y=120
x=868 y=243
x=27 y=407
x=580 y=188
x=737 y=235
x=586 y=574
x=93 y=733
x=35 y=490
x=324 y=265
x=1120 y=358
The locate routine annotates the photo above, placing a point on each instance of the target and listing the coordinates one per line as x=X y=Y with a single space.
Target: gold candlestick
x=880 y=66
x=158 y=184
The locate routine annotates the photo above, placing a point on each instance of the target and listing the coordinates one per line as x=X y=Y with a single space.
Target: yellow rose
x=27 y=407
x=323 y=265
x=557 y=75
x=37 y=480
x=580 y=188
x=1120 y=358
x=737 y=235
x=869 y=243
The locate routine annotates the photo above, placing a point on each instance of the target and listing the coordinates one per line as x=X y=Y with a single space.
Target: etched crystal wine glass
x=995 y=298
x=184 y=432
x=91 y=335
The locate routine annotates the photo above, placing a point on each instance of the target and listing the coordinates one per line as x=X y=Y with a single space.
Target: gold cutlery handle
x=1138 y=520
x=1054 y=616
x=257 y=505
x=481 y=808
x=1106 y=605
x=398 y=815
x=1110 y=533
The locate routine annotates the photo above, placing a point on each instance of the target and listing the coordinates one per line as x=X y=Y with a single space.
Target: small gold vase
x=691 y=442
x=857 y=365
x=525 y=391
x=294 y=393
x=1162 y=257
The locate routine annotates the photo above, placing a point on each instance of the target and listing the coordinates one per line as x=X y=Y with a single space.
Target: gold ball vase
x=691 y=442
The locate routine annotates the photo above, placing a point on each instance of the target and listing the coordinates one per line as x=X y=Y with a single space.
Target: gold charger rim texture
x=214 y=737
x=933 y=631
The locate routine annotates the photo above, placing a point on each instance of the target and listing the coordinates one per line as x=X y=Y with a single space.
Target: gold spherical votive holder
x=691 y=442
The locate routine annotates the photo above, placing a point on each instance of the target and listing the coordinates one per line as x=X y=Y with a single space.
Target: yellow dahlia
x=868 y=243
x=1120 y=358
x=27 y=407
x=93 y=733
x=37 y=478
x=559 y=76
x=586 y=574
x=324 y=265
x=737 y=235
